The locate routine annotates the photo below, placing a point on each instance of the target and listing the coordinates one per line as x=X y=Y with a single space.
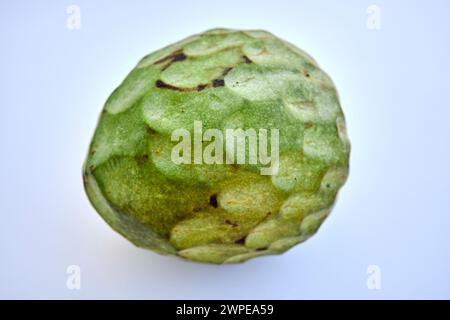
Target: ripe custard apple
x=163 y=170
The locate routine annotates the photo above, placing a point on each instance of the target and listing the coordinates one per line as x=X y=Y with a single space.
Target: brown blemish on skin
x=306 y=73
x=173 y=57
x=225 y=72
x=151 y=131
x=231 y=223
x=215 y=83
x=261 y=249
x=213 y=200
x=163 y=85
x=240 y=241
x=218 y=83
x=309 y=125
x=246 y=59
x=179 y=57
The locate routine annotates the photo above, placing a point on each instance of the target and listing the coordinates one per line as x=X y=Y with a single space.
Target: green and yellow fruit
x=219 y=213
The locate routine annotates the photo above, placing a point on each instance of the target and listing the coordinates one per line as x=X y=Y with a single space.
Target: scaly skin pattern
x=219 y=213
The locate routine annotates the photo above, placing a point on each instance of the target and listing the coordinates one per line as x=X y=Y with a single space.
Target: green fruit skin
x=219 y=213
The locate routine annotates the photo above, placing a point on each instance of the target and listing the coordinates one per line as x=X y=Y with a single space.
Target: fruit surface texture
x=219 y=212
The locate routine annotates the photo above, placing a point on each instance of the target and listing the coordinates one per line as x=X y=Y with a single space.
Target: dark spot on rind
x=240 y=241
x=174 y=56
x=226 y=71
x=218 y=83
x=246 y=59
x=261 y=249
x=171 y=58
x=151 y=131
x=179 y=57
x=231 y=223
x=163 y=85
x=213 y=200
